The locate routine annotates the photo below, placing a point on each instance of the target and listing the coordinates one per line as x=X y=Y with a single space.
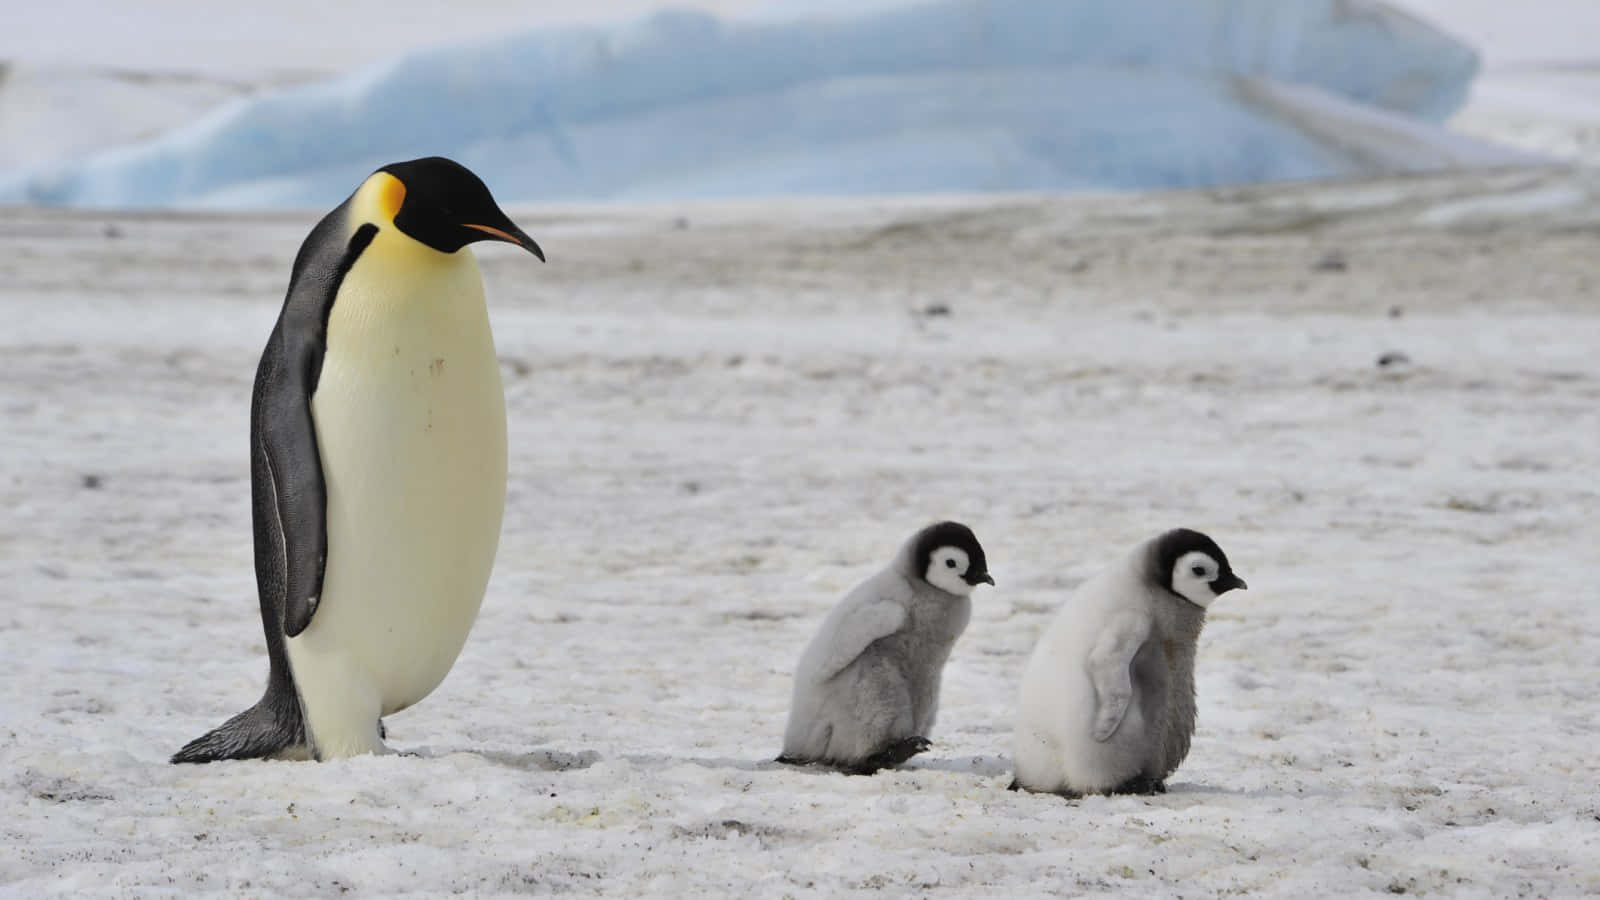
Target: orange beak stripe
x=504 y=236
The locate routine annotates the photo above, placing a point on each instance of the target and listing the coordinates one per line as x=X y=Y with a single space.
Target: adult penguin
x=377 y=464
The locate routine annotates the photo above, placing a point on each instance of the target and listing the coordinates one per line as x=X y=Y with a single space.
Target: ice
x=957 y=96
x=1540 y=90
x=54 y=112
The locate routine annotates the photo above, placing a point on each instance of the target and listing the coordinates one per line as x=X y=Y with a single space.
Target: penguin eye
x=1199 y=571
x=949 y=564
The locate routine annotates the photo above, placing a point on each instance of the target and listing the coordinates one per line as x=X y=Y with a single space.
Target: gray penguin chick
x=1108 y=702
x=867 y=687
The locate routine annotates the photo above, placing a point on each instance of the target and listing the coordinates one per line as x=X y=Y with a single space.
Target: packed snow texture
x=956 y=95
x=724 y=417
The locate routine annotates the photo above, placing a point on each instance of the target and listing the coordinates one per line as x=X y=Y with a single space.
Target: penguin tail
x=267 y=729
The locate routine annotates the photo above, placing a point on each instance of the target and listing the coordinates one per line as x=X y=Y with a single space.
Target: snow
x=1551 y=111
x=723 y=417
x=950 y=95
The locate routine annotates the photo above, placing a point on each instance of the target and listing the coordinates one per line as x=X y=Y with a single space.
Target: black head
x=1191 y=565
x=948 y=556
x=446 y=207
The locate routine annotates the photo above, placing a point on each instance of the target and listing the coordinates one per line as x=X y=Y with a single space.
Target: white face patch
x=1192 y=576
x=946 y=567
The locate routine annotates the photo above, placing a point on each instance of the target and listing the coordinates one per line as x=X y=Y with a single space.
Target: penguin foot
x=891 y=755
x=1142 y=785
x=1064 y=793
x=271 y=729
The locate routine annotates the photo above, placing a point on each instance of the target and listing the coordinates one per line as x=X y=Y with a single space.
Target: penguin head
x=439 y=203
x=1191 y=565
x=948 y=556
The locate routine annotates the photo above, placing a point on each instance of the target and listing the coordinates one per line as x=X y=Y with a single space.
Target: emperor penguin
x=1108 y=701
x=867 y=687
x=377 y=464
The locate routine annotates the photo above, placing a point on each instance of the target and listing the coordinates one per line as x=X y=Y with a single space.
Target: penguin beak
x=511 y=234
x=1232 y=582
x=980 y=578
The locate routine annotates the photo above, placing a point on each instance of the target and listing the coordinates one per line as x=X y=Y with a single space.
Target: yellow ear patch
x=391 y=192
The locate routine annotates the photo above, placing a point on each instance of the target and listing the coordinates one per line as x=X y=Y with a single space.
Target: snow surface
x=722 y=417
x=951 y=95
x=1550 y=110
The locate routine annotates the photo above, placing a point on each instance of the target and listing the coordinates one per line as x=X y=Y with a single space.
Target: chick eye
x=1199 y=571
x=949 y=564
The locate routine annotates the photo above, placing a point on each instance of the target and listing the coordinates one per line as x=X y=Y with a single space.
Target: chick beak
x=981 y=578
x=514 y=235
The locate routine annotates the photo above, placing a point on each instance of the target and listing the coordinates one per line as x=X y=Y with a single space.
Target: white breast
x=410 y=419
x=1054 y=749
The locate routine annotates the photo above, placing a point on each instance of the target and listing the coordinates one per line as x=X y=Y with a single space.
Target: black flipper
x=298 y=498
x=286 y=437
x=288 y=494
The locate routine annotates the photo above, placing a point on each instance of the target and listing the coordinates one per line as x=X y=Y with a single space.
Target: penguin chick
x=867 y=687
x=1108 y=702
x=377 y=464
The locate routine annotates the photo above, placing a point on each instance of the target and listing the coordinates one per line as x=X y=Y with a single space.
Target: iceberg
x=947 y=96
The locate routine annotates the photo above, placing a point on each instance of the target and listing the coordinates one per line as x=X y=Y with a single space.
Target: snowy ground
x=723 y=417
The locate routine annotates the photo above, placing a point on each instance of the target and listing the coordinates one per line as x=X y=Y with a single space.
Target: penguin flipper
x=856 y=629
x=1111 y=671
x=282 y=427
x=298 y=496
